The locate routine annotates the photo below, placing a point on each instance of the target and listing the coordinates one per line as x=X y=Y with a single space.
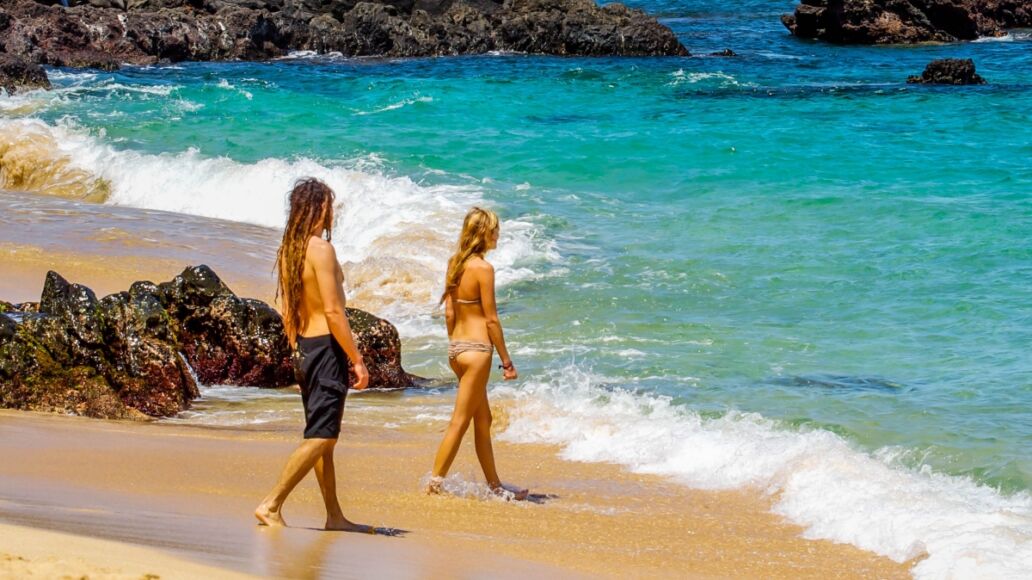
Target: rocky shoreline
x=105 y=33
x=906 y=21
x=141 y=353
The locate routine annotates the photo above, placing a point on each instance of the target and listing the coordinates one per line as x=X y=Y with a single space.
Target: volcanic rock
x=949 y=71
x=136 y=354
x=104 y=33
x=906 y=21
x=17 y=73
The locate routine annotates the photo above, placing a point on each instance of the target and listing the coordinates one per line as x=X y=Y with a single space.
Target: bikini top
x=458 y=301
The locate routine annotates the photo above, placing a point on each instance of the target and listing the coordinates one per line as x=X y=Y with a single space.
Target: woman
x=473 y=329
x=315 y=321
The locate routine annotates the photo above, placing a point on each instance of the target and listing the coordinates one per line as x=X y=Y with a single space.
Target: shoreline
x=191 y=489
x=31 y=551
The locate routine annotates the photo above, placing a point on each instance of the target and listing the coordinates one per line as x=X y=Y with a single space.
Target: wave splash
x=820 y=481
x=392 y=234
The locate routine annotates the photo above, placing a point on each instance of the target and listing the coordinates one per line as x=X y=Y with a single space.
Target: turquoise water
x=794 y=232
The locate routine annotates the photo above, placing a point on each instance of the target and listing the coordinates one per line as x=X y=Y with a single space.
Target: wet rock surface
x=948 y=71
x=18 y=74
x=135 y=354
x=906 y=21
x=104 y=33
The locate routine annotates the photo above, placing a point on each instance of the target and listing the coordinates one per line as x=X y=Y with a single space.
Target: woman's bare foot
x=434 y=486
x=509 y=492
x=267 y=517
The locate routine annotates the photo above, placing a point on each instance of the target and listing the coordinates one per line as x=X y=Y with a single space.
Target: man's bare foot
x=510 y=493
x=434 y=486
x=267 y=517
x=342 y=524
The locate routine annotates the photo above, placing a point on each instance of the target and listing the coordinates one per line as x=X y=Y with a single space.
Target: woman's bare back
x=468 y=304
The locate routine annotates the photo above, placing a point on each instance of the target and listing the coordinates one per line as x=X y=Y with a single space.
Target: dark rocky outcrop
x=727 y=52
x=17 y=73
x=906 y=21
x=135 y=354
x=104 y=33
x=949 y=71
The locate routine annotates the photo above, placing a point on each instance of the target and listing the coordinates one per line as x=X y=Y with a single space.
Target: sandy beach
x=189 y=491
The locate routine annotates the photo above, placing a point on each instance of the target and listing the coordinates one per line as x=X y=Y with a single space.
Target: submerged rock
x=906 y=21
x=17 y=74
x=130 y=354
x=104 y=33
x=949 y=71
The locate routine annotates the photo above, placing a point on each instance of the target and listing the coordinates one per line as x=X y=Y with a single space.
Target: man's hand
x=362 y=376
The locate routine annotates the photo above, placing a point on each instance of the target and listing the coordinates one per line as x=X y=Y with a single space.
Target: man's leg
x=326 y=473
x=300 y=461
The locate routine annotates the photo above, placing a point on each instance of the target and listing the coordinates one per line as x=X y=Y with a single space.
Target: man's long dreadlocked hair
x=310 y=202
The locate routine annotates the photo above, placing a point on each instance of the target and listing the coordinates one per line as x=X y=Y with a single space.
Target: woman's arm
x=324 y=261
x=486 y=278
x=449 y=314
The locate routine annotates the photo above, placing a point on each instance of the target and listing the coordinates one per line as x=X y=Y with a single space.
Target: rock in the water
x=381 y=350
x=949 y=71
x=906 y=21
x=17 y=74
x=226 y=339
x=726 y=52
x=103 y=33
x=130 y=354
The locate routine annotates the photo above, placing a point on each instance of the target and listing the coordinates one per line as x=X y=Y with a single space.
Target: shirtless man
x=316 y=323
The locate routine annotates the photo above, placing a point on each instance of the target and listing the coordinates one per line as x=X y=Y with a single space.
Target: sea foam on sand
x=818 y=479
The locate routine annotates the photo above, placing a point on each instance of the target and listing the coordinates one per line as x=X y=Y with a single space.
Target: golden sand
x=24 y=268
x=191 y=490
x=194 y=488
x=33 y=553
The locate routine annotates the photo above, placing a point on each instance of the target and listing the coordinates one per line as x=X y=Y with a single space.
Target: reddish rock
x=17 y=74
x=130 y=354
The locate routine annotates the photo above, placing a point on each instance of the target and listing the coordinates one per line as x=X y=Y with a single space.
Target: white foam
x=224 y=84
x=397 y=105
x=819 y=480
x=722 y=79
x=392 y=234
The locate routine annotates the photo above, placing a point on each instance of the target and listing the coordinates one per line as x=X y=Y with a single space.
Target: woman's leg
x=473 y=370
x=482 y=439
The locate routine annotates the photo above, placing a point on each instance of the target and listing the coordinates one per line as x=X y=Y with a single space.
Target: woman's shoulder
x=478 y=264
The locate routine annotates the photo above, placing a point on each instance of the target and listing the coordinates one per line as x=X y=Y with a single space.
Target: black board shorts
x=324 y=367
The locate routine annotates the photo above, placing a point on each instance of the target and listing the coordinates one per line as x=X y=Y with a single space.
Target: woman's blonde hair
x=476 y=229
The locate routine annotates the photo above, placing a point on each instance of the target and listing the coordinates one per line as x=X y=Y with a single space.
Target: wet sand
x=108 y=248
x=30 y=552
x=190 y=491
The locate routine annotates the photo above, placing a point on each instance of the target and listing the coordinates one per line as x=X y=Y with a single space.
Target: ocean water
x=787 y=270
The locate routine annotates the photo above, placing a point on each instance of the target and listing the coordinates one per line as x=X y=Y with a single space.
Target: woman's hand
x=509 y=371
x=362 y=376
